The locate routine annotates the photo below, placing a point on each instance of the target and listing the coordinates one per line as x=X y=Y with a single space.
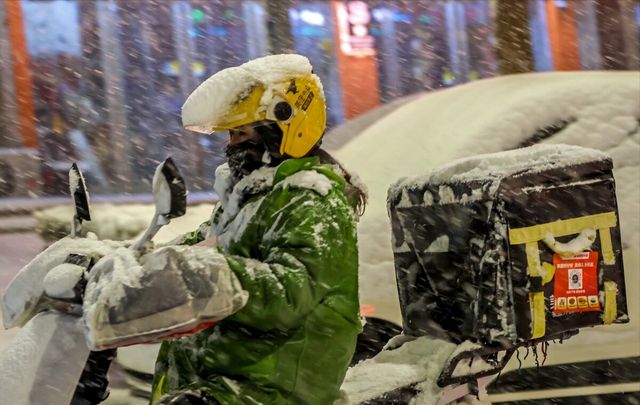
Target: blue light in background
x=309 y=31
x=217 y=31
x=380 y=14
x=401 y=17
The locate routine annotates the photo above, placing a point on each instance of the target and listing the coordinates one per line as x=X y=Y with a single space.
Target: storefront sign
x=52 y=27
x=353 y=28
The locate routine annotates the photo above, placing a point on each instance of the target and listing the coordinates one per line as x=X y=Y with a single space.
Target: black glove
x=93 y=385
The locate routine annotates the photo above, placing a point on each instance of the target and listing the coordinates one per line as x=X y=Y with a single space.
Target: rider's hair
x=355 y=191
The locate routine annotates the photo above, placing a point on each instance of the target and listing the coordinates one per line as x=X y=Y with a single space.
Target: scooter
x=50 y=359
x=48 y=362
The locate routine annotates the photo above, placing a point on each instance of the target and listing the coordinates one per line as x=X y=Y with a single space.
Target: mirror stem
x=156 y=223
x=75 y=227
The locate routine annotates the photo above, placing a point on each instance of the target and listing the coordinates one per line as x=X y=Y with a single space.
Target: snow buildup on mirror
x=161 y=192
x=209 y=104
x=75 y=179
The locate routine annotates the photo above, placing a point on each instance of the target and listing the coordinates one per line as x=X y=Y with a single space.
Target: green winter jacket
x=289 y=235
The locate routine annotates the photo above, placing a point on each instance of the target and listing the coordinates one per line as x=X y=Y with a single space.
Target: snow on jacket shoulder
x=288 y=233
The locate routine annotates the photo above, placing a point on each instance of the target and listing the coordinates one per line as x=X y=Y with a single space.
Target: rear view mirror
x=78 y=190
x=169 y=197
x=169 y=190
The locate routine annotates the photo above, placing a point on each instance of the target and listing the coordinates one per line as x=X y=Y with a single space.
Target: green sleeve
x=304 y=240
x=194 y=237
x=197 y=236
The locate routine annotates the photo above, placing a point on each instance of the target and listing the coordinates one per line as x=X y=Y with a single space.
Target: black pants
x=93 y=385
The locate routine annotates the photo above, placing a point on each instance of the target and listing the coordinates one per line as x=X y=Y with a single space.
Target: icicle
x=518 y=358
x=535 y=355
x=526 y=355
x=545 y=350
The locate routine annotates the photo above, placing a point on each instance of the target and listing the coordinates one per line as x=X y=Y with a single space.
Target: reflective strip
x=549 y=270
x=536 y=300
x=159 y=391
x=562 y=228
x=607 y=247
x=533 y=259
x=532 y=234
x=610 y=305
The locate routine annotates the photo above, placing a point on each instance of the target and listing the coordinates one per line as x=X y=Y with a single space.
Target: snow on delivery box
x=511 y=248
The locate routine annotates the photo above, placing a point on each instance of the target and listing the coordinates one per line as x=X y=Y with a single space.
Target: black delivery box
x=510 y=248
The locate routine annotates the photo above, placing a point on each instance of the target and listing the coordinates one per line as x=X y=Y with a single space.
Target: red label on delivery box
x=576 y=283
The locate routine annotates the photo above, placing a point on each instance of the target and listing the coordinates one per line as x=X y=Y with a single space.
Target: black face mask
x=247 y=156
x=244 y=157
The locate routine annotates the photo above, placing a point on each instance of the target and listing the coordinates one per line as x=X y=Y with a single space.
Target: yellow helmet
x=279 y=88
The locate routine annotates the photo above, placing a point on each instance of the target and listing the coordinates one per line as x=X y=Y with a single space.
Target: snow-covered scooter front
x=48 y=361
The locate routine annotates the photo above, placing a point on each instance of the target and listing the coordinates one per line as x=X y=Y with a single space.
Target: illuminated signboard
x=52 y=27
x=353 y=28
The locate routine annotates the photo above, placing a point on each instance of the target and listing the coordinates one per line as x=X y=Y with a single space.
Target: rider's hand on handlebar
x=23 y=293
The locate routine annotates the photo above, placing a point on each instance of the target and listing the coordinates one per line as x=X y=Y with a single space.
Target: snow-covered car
x=600 y=110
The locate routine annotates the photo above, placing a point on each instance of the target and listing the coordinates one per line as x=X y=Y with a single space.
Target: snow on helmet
x=277 y=88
